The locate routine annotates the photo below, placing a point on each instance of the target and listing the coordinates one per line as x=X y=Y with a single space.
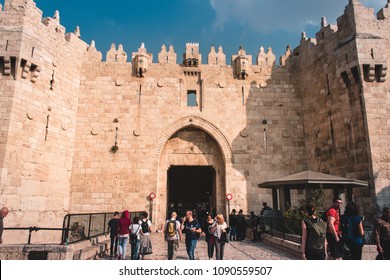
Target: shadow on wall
x=383 y=198
x=272 y=143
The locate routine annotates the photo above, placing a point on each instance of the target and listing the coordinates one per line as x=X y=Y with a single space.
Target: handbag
x=223 y=238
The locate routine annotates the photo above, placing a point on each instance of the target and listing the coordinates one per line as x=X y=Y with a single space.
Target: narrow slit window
x=191 y=98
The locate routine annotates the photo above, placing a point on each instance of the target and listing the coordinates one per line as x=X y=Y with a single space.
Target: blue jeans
x=122 y=246
x=233 y=233
x=191 y=245
x=135 y=250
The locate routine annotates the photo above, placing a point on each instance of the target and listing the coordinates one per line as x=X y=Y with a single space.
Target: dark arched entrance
x=191 y=188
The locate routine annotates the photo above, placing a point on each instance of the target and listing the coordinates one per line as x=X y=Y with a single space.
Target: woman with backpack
x=352 y=232
x=146 y=243
x=313 y=235
x=135 y=230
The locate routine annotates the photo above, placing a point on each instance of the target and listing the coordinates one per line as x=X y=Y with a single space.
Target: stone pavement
x=236 y=250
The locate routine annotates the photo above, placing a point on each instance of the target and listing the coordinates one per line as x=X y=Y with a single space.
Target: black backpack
x=145 y=226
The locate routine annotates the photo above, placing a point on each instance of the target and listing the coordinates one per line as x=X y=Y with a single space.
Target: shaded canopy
x=312 y=178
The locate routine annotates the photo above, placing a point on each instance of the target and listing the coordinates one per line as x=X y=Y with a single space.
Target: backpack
x=316 y=234
x=171 y=228
x=346 y=227
x=145 y=226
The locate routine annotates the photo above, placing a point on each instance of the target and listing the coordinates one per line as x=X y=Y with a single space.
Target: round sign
x=152 y=195
x=229 y=196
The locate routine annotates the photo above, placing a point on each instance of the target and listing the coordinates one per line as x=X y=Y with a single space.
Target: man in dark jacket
x=113 y=228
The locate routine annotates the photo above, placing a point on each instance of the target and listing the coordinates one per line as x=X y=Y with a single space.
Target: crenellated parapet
x=116 y=55
x=266 y=59
x=216 y=58
x=167 y=57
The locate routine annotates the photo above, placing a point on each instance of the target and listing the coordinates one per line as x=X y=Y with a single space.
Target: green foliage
x=315 y=197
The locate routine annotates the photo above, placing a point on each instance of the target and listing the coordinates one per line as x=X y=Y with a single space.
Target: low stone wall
x=85 y=250
x=369 y=251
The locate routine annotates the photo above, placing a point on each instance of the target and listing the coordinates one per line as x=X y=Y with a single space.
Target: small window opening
x=191 y=98
x=346 y=80
x=378 y=72
x=355 y=74
x=6 y=45
x=32 y=52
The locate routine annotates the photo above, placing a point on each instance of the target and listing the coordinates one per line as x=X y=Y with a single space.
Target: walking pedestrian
x=333 y=234
x=172 y=235
x=233 y=225
x=241 y=225
x=352 y=230
x=382 y=234
x=135 y=230
x=210 y=238
x=113 y=229
x=146 y=229
x=313 y=235
x=123 y=233
x=192 y=229
x=219 y=229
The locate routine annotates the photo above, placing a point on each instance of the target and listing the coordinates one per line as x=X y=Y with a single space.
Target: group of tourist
x=137 y=232
x=335 y=236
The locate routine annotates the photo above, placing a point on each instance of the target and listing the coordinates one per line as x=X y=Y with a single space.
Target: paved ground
x=236 y=250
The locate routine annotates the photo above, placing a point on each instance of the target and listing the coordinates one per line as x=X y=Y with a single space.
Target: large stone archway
x=192 y=142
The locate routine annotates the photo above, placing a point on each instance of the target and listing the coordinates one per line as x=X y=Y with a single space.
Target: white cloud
x=270 y=15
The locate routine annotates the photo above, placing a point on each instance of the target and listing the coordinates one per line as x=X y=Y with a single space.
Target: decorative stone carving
x=119 y=82
x=137 y=132
x=244 y=133
x=160 y=83
x=94 y=131
x=30 y=116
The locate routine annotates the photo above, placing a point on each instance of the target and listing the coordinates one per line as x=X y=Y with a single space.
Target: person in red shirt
x=333 y=233
x=123 y=233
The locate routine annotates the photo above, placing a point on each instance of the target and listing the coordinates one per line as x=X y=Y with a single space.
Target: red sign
x=152 y=195
x=229 y=196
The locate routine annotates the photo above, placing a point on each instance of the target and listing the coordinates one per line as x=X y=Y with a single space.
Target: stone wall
x=79 y=134
x=39 y=89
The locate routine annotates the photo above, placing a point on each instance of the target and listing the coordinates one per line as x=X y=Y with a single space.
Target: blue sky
x=230 y=23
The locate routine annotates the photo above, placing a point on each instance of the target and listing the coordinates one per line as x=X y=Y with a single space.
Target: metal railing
x=77 y=227
x=285 y=228
x=33 y=229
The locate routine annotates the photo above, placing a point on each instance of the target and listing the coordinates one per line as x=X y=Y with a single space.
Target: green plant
x=315 y=197
x=114 y=149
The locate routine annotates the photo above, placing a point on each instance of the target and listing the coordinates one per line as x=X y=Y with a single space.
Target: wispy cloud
x=272 y=15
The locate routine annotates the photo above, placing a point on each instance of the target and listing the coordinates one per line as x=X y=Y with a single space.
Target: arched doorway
x=193 y=188
x=191 y=173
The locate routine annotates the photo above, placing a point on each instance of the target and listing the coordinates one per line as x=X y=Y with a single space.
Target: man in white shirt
x=172 y=234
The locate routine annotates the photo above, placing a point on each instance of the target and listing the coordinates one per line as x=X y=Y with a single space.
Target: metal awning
x=312 y=179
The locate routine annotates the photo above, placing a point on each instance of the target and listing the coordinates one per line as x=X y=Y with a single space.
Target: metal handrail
x=75 y=225
x=31 y=229
x=286 y=228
